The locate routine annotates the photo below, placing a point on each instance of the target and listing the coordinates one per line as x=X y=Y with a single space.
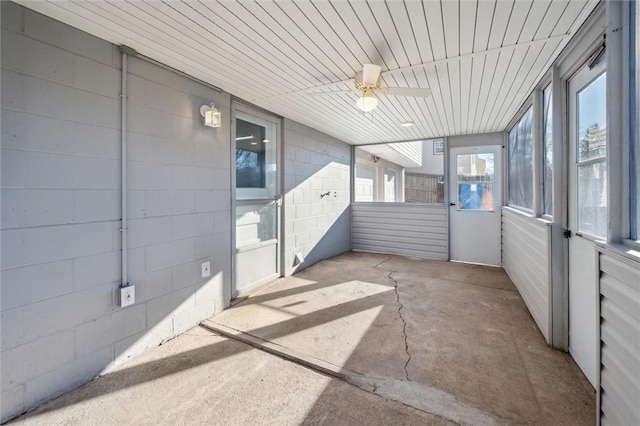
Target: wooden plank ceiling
x=480 y=58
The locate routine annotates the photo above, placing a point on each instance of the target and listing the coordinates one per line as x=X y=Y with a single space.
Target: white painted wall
x=316 y=225
x=61 y=323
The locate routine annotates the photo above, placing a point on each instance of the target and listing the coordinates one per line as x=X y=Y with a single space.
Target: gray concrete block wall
x=61 y=324
x=316 y=226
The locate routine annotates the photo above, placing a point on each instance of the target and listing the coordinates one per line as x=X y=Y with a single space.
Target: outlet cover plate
x=206 y=269
x=127 y=296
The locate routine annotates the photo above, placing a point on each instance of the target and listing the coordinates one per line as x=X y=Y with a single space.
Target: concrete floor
x=413 y=341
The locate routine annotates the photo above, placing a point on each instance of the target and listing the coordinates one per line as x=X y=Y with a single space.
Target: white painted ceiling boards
x=480 y=58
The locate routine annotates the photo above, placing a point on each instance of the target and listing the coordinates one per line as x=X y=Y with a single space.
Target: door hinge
x=566 y=233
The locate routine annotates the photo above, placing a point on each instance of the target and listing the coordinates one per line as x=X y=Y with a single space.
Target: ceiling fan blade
x=405 y=91
x=371 y=74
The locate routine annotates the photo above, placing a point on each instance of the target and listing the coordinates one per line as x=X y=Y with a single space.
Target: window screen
x=547 y=153
x=521 y=163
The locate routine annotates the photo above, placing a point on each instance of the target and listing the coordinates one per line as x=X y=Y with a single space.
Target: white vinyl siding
x=405 y=229
x=525 y=258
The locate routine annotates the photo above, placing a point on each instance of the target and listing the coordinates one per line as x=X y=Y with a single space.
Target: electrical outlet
x=206 y=269
x=127 y=296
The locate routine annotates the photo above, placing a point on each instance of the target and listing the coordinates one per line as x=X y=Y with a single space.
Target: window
x=255 y=158
x=521 y=163
x=634 y=177
x=547 y=153
x=475 y=181
x=592 y=158
x=400 y=172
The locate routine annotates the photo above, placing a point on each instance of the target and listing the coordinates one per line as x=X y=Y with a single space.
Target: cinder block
x=12 y=327
x=137 y=204
x=96 y=77
x=11 y=16
x=67 y=241
x=99 y=173
x=131 y=346
x=183 y=251
x=188 y=273
x=302 y=211
x=96 y=205
x=66 y=312
x=221 y=179
x=153 y=284
x=137 y=261
x=91 y=271
x=46 y=170
x=170 y=304
x=51 y=31
x=13 y=398
x=223 y=222
x=167 y=150
x=192 y=225
x=149 y=176
x=148 y=121
x=12 y=248
x=67 y=377
x=13 y=92
x=211 y=290
x=159 y=256
x=208 y=245
x=23 y=286
x=196 y=178
x=159 y=96
x=43 y=61
x=303 y=238
x=35 y=358
x=102 y=332
x=190 y=318
x=25 y=207
x=149 y=230
x=183 y=202
x=55 y=100
x=207 y=201
x=213 y=156
x=159 y=203
x=14 y=167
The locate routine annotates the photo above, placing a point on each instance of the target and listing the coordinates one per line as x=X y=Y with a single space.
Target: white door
x=257 y=199
x=587 y=210
x=475 y=197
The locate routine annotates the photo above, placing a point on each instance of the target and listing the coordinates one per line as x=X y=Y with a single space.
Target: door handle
x=566 y=233
x=452 y=204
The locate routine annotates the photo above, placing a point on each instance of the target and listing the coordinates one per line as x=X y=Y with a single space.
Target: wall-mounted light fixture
x=212 y=117
x=375 y=158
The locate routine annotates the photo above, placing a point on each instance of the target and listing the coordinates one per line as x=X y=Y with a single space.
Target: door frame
x=239 y=106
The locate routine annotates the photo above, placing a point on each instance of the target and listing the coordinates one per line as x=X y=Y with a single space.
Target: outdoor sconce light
x=212 y=117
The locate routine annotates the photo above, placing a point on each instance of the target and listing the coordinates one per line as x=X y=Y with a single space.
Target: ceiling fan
x=367 y=83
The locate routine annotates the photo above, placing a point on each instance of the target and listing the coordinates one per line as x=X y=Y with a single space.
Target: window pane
x=475 y=182
x=255 y=224
x=547 y=175
x=592 y=199
x=592 y=120
x=390 y=186
x=521 y=163
x=365 y=183
x=255 y=158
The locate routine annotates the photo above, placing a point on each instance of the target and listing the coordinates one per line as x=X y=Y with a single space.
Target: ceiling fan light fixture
x=407 y=123
x=367 y=102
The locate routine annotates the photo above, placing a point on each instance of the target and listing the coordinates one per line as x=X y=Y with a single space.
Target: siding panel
x=525 y=258
x=619 y=339
x=404 y=229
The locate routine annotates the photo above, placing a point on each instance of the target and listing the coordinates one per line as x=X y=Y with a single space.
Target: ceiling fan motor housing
x=363 y=85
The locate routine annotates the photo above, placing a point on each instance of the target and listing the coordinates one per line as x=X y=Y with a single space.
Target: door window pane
x=592 y=120
x=591 y=154
x=547 y=152
x=255 y=158
x=475 y=181
x=255 y=224
x=521 y=163
x=592 y=199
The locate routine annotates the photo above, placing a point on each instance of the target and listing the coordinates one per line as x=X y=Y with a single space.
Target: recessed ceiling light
x=407 y=123
x=265 y=140
x=253 y=143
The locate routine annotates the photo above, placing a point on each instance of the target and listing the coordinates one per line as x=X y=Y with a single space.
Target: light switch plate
x=206 y=269
x=127 y=296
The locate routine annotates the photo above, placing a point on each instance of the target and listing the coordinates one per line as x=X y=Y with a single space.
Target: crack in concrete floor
x=404 y=323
